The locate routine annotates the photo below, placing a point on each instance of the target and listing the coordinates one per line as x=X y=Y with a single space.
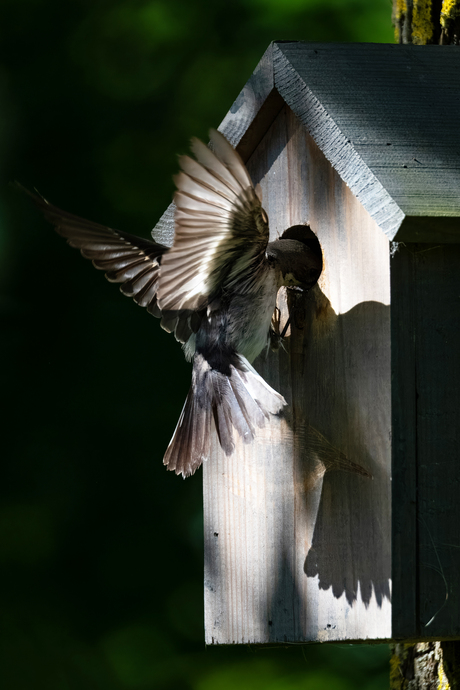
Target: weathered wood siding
x=291 y=555
x=426 y=440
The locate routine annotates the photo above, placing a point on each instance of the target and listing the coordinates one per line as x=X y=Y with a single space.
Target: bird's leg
x=274 y=331
x=295 y=317
x=276 y=338
x=286 y=326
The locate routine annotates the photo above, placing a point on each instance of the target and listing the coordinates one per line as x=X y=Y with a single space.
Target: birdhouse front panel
x=298 y=524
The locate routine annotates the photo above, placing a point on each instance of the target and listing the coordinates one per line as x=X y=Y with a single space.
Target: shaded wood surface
x=291 y=553
x=437 y=338
x=426 y=440
x=404 y=447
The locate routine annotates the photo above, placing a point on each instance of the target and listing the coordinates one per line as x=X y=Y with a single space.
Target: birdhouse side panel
x=404 y=447
x=438 y=436
x=426 y=440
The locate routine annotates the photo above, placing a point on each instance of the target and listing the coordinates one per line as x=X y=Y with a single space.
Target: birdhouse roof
x=387 y=117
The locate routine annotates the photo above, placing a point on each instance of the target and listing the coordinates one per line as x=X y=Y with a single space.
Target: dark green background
x=101 y=552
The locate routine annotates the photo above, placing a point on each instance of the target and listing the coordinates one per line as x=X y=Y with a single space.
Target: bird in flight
x=215 y=289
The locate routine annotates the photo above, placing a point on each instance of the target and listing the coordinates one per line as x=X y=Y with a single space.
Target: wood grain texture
x=387 y=117
x=293 y=553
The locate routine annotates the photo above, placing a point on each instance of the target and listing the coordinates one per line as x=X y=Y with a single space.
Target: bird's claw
x=276 y=338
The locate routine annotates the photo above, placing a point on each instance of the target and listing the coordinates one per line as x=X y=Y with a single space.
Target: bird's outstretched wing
x=221 y=230
x=131 y=261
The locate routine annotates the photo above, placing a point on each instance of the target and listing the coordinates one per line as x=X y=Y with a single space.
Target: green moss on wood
x=422 y=25
x=450 y=10
x=415 y=22
x=399 y=15
x=450 y=21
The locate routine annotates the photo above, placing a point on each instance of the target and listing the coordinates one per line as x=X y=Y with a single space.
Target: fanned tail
x=240 y=400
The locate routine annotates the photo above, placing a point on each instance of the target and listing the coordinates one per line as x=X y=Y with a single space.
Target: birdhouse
x=341 y=521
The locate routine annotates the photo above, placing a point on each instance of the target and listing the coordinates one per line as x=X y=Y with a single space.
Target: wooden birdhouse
x=342 y=520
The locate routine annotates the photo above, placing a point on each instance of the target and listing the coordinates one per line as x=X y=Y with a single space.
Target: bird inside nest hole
x=292 y=310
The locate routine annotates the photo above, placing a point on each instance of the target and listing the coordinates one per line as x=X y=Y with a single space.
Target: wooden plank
x=438 y=436
x=405 y=597
x=375 y=111
x=291 y=555
x=426 y=458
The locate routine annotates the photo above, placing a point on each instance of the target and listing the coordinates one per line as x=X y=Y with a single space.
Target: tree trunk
x=425 y=666
x=427 y=21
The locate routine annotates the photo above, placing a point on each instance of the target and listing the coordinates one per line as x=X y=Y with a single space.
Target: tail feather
x=249 y=407
x=268 y=400
x=241 y=400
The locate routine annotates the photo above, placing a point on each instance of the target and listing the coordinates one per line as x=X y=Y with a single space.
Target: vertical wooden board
x=247 y=558
x=438 y=436
x=291 y=556
x=405 y=600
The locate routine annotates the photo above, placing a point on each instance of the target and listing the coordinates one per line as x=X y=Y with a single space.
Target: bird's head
x=298 y=264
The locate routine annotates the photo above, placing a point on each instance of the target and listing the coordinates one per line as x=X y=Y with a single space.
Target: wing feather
x=198 y=173
x=211 y=162
x=220 y=227
x=132 y=262
x=195 y=190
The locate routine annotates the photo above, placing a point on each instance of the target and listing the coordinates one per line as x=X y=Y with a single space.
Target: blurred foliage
x=101 y=554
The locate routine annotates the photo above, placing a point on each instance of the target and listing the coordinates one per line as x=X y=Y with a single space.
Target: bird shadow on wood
x=340 y=417
x=366 y=562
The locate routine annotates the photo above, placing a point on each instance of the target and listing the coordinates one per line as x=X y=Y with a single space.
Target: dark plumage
x=215 y=289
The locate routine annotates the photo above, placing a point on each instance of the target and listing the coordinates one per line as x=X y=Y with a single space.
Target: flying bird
x=215 y=289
